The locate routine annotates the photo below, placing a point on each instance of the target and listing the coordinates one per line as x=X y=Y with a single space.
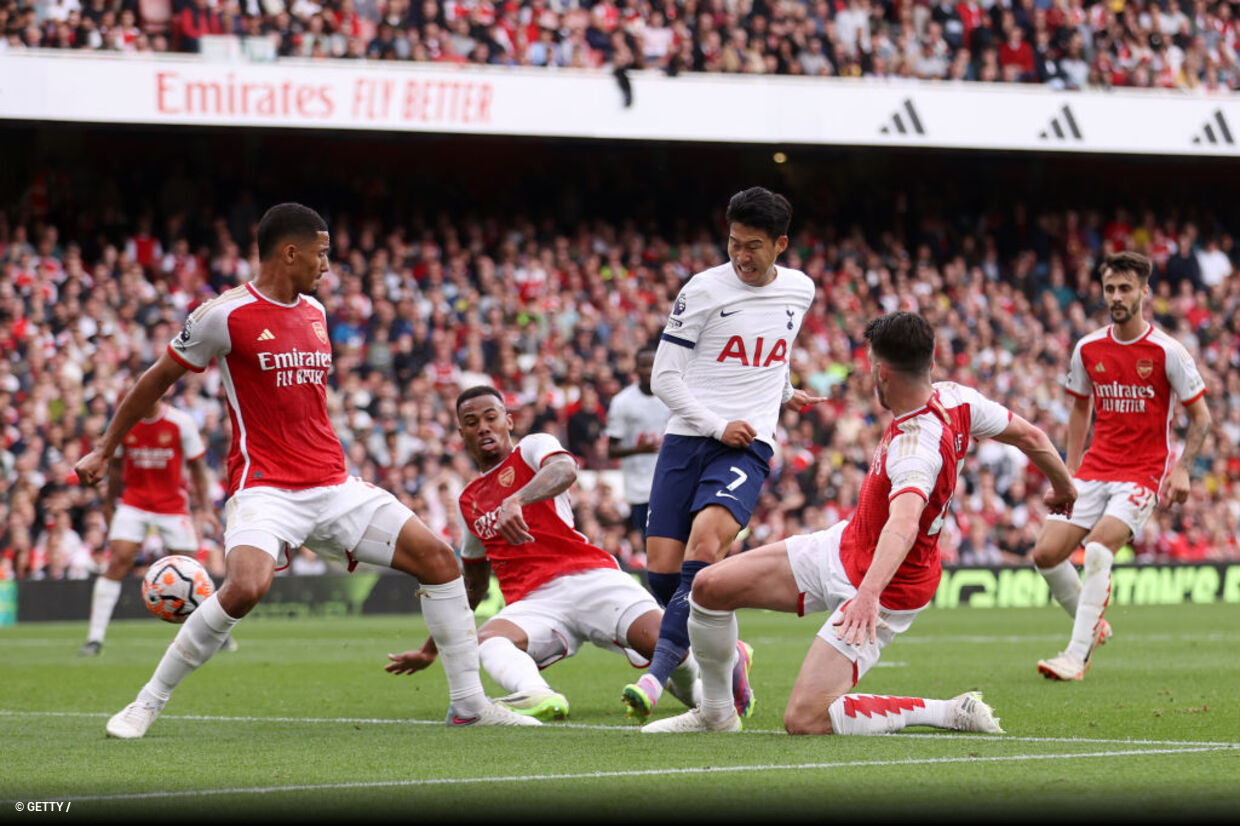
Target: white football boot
x=492 y=715
x=969 y=713
x=691 y=720
x=133 y=720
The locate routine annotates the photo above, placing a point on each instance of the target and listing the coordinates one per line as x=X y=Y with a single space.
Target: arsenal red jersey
x=558 y=548
x=274 y=359
x=1134 y=385
x=919 y=452
x=153 y=455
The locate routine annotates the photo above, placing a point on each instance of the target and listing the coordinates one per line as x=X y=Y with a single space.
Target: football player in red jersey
x=873 y=572
x=287 y=482
x=1129 y=374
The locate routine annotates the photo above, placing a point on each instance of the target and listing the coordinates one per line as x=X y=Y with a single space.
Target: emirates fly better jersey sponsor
x=274 y=359
x=741 y=338
x=558 y=548
x=919 y=452
x=153 y=455
x=1134 y=385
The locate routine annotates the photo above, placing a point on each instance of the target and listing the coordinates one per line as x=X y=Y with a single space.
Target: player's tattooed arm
x=1175 y=486
x=556 y=475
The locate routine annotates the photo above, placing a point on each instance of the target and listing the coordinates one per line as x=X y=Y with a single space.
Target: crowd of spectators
x=553 y=315
x=1070 y=44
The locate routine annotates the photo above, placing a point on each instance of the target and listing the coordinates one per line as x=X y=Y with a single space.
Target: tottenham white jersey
x=634 y=418
x=741 y=338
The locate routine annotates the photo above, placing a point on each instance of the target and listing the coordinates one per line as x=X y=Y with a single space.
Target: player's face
x=878 y=375
x=311 y=263
x=645 y=369
x=1124 y=295
x=753 y=253
x=486 y=427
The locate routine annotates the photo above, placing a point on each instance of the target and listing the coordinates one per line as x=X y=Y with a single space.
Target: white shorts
x=595 y=606
x=824 y=586
x=1128 y=502
x=352 y=522
x=176 y=530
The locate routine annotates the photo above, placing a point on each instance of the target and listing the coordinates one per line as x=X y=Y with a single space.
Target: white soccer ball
x=175 y=586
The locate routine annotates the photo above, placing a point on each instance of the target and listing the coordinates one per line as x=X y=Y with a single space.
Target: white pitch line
x=391 y=721
x=662 y=772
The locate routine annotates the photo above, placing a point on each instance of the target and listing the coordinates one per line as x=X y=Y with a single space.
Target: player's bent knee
x=710 y=590
x=799 y=718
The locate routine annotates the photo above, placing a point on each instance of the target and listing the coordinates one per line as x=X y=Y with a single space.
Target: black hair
x=287 y=221
x=904 y=340
x=762 y=209
x=476 y=391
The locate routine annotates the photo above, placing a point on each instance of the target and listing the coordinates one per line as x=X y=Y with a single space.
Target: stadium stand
x=440 y=287
x=1069 y=44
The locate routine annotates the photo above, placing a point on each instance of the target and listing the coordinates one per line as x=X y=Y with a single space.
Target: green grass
x=303 y=724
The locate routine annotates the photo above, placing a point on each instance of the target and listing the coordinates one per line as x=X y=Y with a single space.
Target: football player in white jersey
x=722 y=369
x=636 y=421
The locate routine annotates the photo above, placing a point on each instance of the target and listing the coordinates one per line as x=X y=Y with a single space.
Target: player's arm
x=1034 y=443
x=795 y=399
x=668 y=383
x=476 y=570
x=149 y=388
x=858 y=622
x=557 y=474
x=1176 y=485
x=1078 y=427
x=116 y=475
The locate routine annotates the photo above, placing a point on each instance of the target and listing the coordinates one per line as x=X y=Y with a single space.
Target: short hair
x=904 y=340
x=285 y=221
x=762 y=209
x=1128 y=261
x=474 y=392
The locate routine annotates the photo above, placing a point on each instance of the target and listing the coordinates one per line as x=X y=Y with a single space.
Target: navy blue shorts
x=696 y=471
x=637 y=516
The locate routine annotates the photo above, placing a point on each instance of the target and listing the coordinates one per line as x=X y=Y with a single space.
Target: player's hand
x=1060 y=503
x=1174 y=488
x=209 y=522
x=803 y=398
x=510 y=523
x=858 y=622
x=91 y=468
x=410 y=662
x=738 y=434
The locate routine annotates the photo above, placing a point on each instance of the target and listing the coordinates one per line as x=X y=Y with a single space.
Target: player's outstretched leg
x=517 y=673
x=642 y=696
x=103 y=598
x=196 y=641
x=1089 y=629
x=881 y=714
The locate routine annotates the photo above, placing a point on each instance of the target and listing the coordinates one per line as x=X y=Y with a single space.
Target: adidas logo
x=1062 y=126
x=1100 y=368
x=898 y=121
x=266 y=335
x=1222 y=135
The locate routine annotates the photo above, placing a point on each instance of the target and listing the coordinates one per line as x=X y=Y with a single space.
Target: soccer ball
x=175 y=586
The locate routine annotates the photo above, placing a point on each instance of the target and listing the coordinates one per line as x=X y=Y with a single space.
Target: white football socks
x=199 y=638
x=103 y=599
x=712 y=635
x=445 y=608
x=1065 y=584
x=877 y=714
x=1095 y=594
x=510 y=667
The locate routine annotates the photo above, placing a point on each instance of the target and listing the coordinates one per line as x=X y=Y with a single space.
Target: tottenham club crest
x=319 y=330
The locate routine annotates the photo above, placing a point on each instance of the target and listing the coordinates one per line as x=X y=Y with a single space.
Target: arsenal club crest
x=1145 y=368
x=506 y=476
x=319 y=330
x=165 y=437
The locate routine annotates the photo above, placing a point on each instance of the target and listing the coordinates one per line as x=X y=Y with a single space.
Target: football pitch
x=302 y=724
